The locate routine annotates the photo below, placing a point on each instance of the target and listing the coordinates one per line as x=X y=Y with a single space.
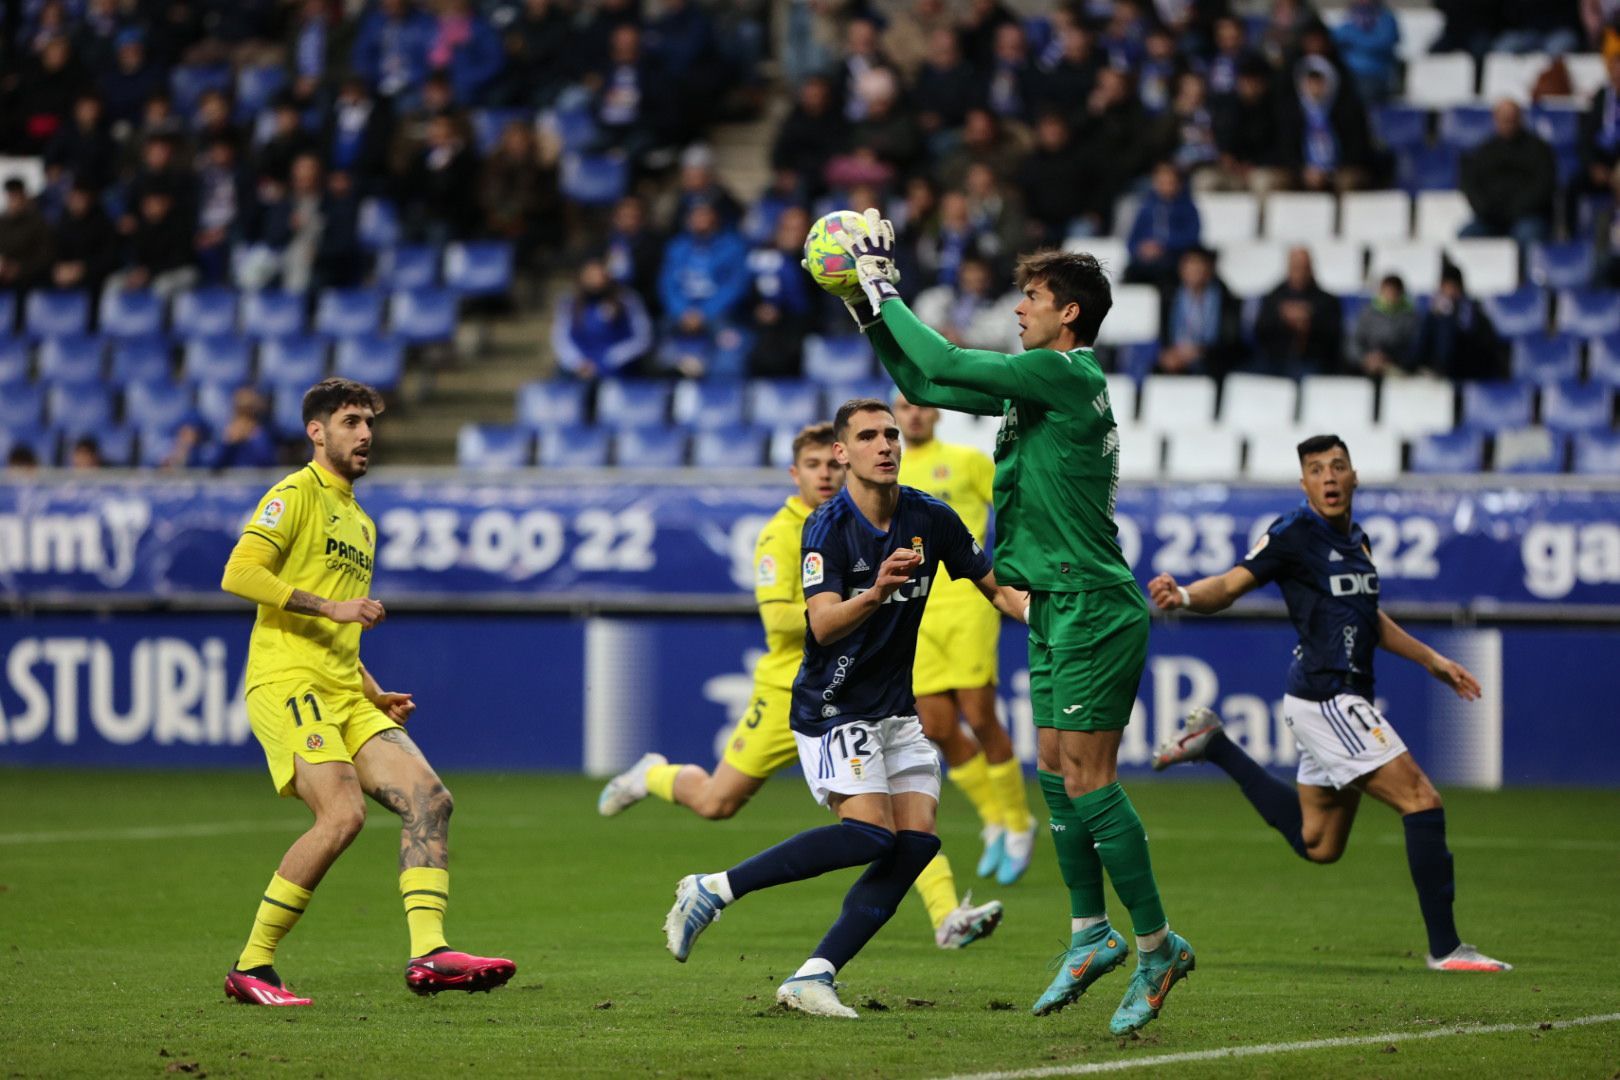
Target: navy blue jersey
x=867 y=675
x=1329 y=582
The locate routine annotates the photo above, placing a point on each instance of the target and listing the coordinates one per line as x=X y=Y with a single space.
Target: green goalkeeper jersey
x=1057 y=454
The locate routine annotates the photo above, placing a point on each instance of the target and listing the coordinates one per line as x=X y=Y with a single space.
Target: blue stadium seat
x=494 y=446
x=1138 y=359
x=1401 y=127
x=1466 y=126
x=1452 y=452
x=379 y=224
x=222 y=359
x=784 y=403
x=8 y=312
x=1589 y=312
x=1562 y=265
x=1535 y=450
x=487 y=125
x=255 y=87
x=1560 y=127
x=1604 y=364
x=1597 y=453
x=347 y=312
x=216 y=403
x=209 y=310
x=79 y=409
x=153 y=444
x=159 y=405
x=15 y=360
x=578 y=447
x=1547 y=359
x=408 y=266
x=649 y=447
x=373 y=359
x=116 y=442
x=547 y=403
x=594 y=179
x=293 y=358
x=1518 y=313
x=731 y=448
x=44 y=442
x=130 y=313
x=880 y=387
x=140 y=358
x=287 y=409
x=1430 y=168
x=483 y=268
x=426 y=314
x=837 y=358
x=631 y=403
x=56 y=312
x=1577 y=406
x=1496 y=406
x=74 y=358
x=272 y=311
x=22 y=406
x=574 y=125
x=709 y=406
x=188 y=83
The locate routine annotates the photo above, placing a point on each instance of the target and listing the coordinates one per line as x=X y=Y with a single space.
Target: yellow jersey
x=777 y=580
x=962 y=478
x=325 y=545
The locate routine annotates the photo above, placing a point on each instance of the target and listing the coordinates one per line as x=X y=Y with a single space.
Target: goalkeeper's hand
x=874 y=262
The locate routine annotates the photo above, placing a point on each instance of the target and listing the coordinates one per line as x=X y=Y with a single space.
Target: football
x=829 y=264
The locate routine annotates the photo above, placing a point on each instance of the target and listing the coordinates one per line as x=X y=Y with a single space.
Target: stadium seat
x=1465 y=127
x=1134 y=317
x=152 y=446
x=1420 y=29
x=1597 y=453
x=8 y=312
x=1490 y=265
x=140 y=359
x=1518 y=313
x=22 y=406
x=1203 y=454
x=572 y=124
x=129 y=313
x=1135 y=362
x=348 y=312
x=1429 y=168
x=880 y=387
x=205 y=311
x=15 y=360
x=1588 y=72
x=1570 y=405
x=1416 y=261
x=44 y=442
x=1122 y=399
x=73 y=358
x=1331 y=402
x=408 y=266
x=380 y=229
x=1400 y=127
x=56 y=312
x=1440 y=80
x=593 y=179
x=1448 y=452
x=1548 y=358
x=1141 y=456
x=222 y=359
x=1272 y=456
x=1227 y=216
x=1177 y=401
x=1441 y=215
x=494 y=446
x=1251 y=269
x=216 y=404
x=1562 y=265
x=1588 y=312
x=1604 y=364
x=1375 y=453
x=709 y=406
x=784 y=403
x=421 y=315
x=837 y=357
x=1561 y=127
x=256 y=86
x=272 y=311
x=115 y=443
x=159 y=405
x=487 y=125
x=374 y=359
x=1109 y=251
x=1299 y=217
x=1371 y=217
x=1253 y=402
x=1339 y=266
x=1496 y=406
x=649 y=448
x=287 y=410
x=734 y=448
x=574 y=447
x=1530 y=450
x=547 y=403
x=188 y=83
x=293 y=358
x=1417 y=406
x=1510 y=75
x=630 y=403
x=482 y=268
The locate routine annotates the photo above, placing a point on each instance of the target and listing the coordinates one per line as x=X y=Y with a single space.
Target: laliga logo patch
x=814 y=572
x=270 y=516
x=765 y=572
x=1260 y=545
x=314 y=742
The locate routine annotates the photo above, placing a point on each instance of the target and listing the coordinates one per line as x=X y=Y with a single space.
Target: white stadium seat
x=1417 y=407
x=1375 y=216
x=1440 y=80
x=1203 y=454
x=1420 y=29
x=1273 y=456
x=1254 y=402
x=965 y=429
x=1174 y=401
x=1334 y=402
x=1510 y=76
x=1441 y=215
x=1251 y=269
x=1139 y=454
x=1339 y=266
x=1225 y=216
x=1133 y=319
x=1490 y=265
x=1417 y=262
x=1122 y=398
x=1300 y=216
x=1109 y=250
x=1588 y=73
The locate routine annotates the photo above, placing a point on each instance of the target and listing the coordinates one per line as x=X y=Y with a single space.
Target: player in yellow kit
x=762 y=742
x=955 y=671
x=328 y=730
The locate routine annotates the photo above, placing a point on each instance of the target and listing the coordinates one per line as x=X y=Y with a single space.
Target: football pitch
x=125 y=896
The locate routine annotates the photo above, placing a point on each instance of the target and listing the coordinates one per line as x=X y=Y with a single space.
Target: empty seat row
x=1443 y=80
x=777 y=403
x=293 y=358
x=1252 y=268
x=1309 y=216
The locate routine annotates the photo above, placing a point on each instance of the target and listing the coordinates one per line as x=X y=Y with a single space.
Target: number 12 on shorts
x=853 y=744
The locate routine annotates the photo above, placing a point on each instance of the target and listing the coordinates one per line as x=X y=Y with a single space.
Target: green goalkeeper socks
x=1122 y=847
x=1077 y=857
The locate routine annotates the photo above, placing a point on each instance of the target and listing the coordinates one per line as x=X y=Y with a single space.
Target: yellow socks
x=426 y=892
x=973 y=777
x=278 y=913
x=1006 y=780
x=937 y=887
x=661 y=781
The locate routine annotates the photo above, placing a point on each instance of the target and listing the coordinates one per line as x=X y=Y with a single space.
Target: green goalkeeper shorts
x=1086 y=655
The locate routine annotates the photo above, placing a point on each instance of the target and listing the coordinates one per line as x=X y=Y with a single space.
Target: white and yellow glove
x=874 y=266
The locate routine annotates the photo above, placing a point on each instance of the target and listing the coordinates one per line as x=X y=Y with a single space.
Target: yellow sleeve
x=776 y=564
x=781 y=618
x=250 y=574
x=984 y=477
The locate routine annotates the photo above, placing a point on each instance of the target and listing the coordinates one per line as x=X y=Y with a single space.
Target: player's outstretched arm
x=249 y=574
x=992 y=374
x=1205 y=596
x=833 y=619
x=919 y=388
x=398 y=706
x=1396 y=640
x=1014 y=603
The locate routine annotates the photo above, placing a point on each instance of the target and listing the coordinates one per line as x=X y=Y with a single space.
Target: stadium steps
x=739 y=160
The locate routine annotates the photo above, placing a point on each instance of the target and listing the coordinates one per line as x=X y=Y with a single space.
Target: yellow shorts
x=956 y=649
x=762 y=742
x=297 y=718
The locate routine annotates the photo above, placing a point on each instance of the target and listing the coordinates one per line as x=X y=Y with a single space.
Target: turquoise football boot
x=1102 y=950
x=1151 y=983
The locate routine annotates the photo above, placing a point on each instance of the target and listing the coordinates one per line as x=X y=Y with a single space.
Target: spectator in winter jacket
x=391 y=48
x=600 y=328
x=1248 y=133
x=1324 y=132
x=812 y=133
x=1509 y=180
x=634 y=252
x=1299 y=326
x=465 y=46
x=971 y=313
x=161 y=252
x=705 y=273
x=25 y=239
x=443 y=185
x=1054 y=183
x=86 y=245
x=1367 y=40
x=1456 y=339
x=1383 y=338
x=781 y=298
x=1199 y=330
x=83 y=150
x=1166 y=225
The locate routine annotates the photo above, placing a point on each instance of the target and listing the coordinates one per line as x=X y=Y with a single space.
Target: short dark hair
x=1393 y=279
x=1321 y=444
x=818 y=434
x=15 y=186
x=853 y=406
x=1075 y=277
x=329 y=395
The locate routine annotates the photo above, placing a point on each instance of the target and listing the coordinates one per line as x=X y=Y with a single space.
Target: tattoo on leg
x=392 y=798
x=425 y=838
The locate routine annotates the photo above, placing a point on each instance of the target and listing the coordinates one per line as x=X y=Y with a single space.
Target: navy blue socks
x=1277 y=802
x=876 y=896
x=811 y=854
x=1430 y=862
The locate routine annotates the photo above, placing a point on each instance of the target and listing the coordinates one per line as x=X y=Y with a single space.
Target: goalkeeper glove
x=875 y=268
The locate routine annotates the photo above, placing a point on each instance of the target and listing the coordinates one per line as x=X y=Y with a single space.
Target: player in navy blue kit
x=1320 y=560
x=870 y=555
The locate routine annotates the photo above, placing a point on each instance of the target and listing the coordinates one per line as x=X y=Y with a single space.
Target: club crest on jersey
x=365 y=534
x=917 y=546
x=814 y=571
x=765 y=572
x=314 y=742
x=942 y=472
x=270 y=516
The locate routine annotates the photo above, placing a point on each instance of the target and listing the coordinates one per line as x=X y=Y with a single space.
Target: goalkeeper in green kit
x=1057 y=468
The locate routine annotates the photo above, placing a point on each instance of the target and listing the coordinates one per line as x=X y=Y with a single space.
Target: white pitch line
x=148 y=832
x=1264 y=1049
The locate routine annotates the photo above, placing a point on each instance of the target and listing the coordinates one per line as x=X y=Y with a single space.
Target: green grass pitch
x=125 y=896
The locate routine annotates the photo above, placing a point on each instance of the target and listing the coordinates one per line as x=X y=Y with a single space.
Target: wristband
x=1186 y=601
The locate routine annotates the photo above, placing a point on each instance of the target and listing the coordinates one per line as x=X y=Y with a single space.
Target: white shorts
x=1340 y=740
x=870 y=757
